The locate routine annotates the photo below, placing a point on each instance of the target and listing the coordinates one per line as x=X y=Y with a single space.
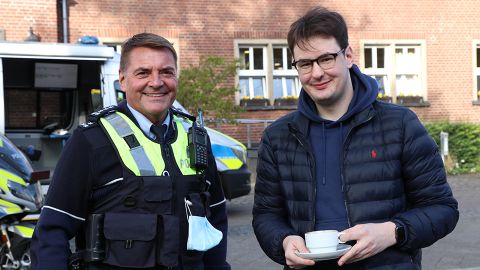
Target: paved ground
x=459 y=250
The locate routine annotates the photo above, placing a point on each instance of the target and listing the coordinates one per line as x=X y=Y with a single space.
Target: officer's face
x=150 y=81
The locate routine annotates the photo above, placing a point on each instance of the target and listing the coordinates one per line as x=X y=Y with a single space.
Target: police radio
x=197 y=144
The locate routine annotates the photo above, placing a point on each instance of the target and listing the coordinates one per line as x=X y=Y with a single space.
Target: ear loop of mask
x=188 y=212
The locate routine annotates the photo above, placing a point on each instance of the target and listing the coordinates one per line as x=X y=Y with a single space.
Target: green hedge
x=463 y=145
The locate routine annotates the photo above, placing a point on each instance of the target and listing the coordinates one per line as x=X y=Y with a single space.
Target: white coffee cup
x=322 y=241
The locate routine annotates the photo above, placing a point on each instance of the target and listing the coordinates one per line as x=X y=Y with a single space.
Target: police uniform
x=145 y=225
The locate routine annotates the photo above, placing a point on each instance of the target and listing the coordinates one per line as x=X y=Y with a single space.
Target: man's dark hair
x=318 y=21
x=148 y=40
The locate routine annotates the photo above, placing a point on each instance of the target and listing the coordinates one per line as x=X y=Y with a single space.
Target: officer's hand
x=292 y=244
x=371 y=239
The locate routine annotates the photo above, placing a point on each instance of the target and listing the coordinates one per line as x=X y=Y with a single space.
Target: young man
x=344 y=161
x=123 y=185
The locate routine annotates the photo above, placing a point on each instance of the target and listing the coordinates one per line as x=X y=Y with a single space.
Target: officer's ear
x=121 y=79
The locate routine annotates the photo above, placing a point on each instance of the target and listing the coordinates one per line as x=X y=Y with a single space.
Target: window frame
x=391 y=70
x=476 y=70
x=251 y=73
x=285 y=73
x=269 y=72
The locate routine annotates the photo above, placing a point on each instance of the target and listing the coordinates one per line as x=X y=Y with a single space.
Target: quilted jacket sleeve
x=433 y=210
x=269 y=213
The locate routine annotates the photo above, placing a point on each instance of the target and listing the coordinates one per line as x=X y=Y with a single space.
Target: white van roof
x=65 y=51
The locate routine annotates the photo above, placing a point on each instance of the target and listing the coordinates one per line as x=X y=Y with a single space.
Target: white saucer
x=322 y=256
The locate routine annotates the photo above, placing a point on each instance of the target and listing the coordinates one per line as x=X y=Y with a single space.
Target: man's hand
x=371 y=239
x=292 y=244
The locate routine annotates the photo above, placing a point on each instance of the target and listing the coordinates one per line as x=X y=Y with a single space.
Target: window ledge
x=270 y=108
x=415 y=104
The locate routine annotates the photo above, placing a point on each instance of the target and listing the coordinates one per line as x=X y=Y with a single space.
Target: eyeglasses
x=325 y=61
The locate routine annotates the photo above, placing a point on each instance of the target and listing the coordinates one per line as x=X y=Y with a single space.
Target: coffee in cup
x=322 y=241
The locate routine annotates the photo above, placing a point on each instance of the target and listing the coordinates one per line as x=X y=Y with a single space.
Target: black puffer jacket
x=391 y=171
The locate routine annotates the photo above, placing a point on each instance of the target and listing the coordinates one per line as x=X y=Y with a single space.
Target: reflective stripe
x=63 y=212
x=24 y=231
x=144 y=159
x=120 y=125
x=143 y=163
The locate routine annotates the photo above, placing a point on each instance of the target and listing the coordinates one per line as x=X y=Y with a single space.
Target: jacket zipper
x=312 y=171
x=345 y=143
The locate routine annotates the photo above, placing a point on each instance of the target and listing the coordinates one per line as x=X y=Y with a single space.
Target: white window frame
x=476 y=70
x=391 y=69
x=252 y=73
x=285 y=73
x=269 y=72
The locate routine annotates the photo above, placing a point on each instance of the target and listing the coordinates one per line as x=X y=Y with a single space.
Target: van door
x=109 y=78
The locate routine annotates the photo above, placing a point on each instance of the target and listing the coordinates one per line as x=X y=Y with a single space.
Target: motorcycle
x=21 y=199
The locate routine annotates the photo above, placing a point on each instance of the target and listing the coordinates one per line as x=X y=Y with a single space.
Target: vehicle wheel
x=21 y=252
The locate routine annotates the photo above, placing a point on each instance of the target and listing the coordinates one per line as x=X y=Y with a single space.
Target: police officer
x=124 y=182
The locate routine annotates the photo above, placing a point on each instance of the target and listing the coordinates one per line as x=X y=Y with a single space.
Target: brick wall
x=16 y=17
x=210 y=27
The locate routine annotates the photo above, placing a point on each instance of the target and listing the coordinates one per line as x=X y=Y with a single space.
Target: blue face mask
x=202 y=236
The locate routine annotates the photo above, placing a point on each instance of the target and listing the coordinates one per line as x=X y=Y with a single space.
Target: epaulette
x=95 y=116
x=183 y=114
x=88 y=125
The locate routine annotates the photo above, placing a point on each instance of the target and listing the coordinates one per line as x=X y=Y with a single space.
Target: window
x=285 y=79
x=253 y=72
x=266 y=70
x=477 y=72
x=397 y=68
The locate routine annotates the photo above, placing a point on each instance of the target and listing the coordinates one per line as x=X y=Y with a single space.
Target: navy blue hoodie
x=327 y=138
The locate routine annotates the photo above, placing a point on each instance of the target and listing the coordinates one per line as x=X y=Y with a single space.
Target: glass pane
x=478 y=57
x=21 y=108
x=27 y=108
x=398 y=51
x=411 y=50
x=258 y=58
x=258 y=87
x=368 y=57
x=289 y=59
x=277 y=58
x=478 y=83
x=381 y=84
x=243 y=84
x=290 y=83
x=380 y=57
x=277 y=87
x=408 y=85
x=244 y=58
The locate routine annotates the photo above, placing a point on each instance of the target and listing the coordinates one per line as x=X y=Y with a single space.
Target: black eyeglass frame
x=294 y=63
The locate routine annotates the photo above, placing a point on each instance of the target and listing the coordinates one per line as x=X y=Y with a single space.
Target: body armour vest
x=144 y=222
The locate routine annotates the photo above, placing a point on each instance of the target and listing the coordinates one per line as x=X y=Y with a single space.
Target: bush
x=463 y=145
x=209 y=85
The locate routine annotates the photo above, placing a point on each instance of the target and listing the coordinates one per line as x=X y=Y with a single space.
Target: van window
x=118 y=91
x=35 y=109
x=42 y=93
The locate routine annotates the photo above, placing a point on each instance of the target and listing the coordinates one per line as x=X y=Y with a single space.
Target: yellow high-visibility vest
x=144 y=156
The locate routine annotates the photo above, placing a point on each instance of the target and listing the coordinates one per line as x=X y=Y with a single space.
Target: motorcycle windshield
x=13 y=160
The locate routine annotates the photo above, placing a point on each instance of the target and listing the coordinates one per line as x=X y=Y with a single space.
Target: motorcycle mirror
x=39 y=175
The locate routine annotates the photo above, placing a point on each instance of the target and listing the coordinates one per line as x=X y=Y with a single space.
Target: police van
x=48 y=89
